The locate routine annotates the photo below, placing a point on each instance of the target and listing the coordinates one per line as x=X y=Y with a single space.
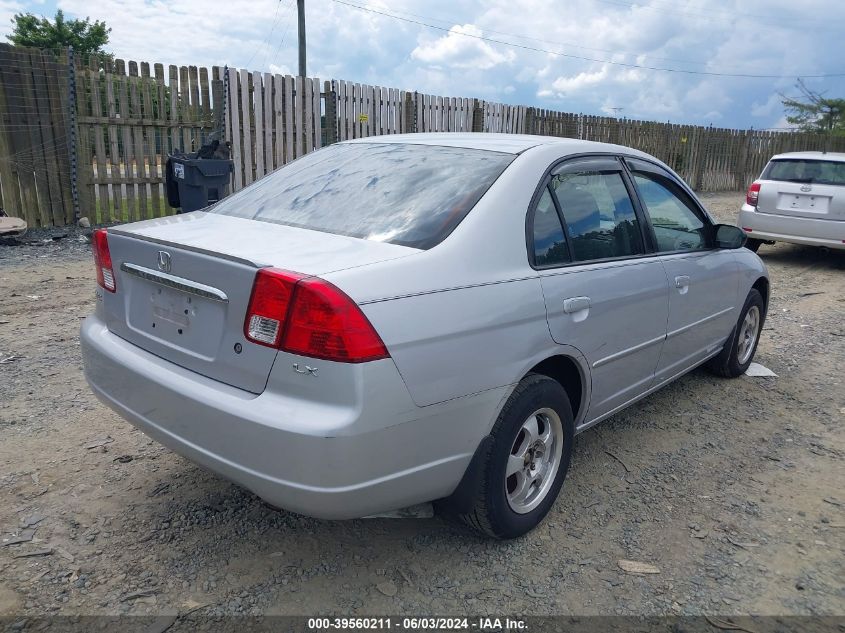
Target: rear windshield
x=823 y=172
x=413 y=195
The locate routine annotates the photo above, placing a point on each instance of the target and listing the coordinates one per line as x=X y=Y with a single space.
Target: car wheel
x=741 y=345
x=524 y=465
x=752 y=244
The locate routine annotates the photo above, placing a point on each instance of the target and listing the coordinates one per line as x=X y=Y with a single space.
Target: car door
x=703 y=280
x=604 y=295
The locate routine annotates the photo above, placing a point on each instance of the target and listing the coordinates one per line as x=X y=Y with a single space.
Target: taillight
x=325 y=323
x=310 y=317
x=102 y=260
x=268 y=306
x=753 y=194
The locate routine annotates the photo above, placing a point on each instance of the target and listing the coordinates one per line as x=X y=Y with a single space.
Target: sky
x=589 y=56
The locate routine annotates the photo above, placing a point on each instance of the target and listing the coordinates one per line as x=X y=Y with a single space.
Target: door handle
x=576 y=304
x=681 y=281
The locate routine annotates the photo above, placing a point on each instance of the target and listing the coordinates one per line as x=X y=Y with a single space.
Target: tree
x=85 y=37
x=813 y=112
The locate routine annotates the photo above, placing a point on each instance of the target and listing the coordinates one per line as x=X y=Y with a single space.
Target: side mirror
x=729 y=236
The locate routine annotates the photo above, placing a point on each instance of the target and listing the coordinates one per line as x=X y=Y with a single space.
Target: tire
x=753 y=245
x=497 y=509
x=736 y=355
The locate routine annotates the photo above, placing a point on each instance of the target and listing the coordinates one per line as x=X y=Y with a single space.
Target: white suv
x=799 y=198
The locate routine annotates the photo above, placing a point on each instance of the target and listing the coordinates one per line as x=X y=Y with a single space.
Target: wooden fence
x=129 y=120
x=35 y=176
x=103 y=128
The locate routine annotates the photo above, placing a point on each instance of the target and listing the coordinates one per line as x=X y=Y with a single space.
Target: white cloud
x=740 y=36
x=7 y=10
x=581 y=81
x=456 y=50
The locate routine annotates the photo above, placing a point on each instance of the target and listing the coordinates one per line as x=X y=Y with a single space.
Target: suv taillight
x=311 y=317
x=102 y=260
x=753 y=194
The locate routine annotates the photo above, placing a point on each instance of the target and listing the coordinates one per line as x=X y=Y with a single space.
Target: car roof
x=833 y=156
x=508 y=143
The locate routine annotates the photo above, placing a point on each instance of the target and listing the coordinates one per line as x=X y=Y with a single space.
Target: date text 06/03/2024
x=417 y=623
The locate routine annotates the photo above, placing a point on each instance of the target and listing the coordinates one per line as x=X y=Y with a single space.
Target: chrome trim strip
x=689 y=326
x=630 y=350
x=179 y=283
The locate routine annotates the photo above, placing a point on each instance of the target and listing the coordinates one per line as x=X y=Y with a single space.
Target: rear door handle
x=576 y=304
x=681 y=281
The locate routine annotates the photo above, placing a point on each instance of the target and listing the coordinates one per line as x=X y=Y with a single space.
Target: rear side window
x=549 y=241
x=413 y=195
x=599 y=215
x=823 y=172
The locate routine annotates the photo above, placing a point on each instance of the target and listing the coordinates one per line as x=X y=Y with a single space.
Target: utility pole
x=300 y=9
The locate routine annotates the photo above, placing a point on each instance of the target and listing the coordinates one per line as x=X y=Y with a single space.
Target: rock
x=84 y=223
x=64 y=553
x=34 y=552
x=24 y=537
x=387 y=588
x=31 y=520
x=100 y=441
x=636 y=567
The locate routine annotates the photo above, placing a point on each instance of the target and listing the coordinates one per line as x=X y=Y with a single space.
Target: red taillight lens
x=311 y=317
x=268 y=306
x=753 y=194
x=102 y=260
x=326 y=323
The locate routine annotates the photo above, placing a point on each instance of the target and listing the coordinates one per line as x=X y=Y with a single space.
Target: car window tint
x=677 y=226
x=599 y=215
x=413 y=195
x=549 y=242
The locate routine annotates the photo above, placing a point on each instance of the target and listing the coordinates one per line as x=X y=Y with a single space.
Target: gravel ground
x=731 y=488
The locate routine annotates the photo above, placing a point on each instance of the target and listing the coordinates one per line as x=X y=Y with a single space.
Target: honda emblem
x=164 y=261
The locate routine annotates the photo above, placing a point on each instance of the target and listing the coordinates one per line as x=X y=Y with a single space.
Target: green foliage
x=84 y=36
x=813 y=112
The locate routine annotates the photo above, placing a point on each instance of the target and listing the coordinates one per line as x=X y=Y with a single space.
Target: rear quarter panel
x=463 y=341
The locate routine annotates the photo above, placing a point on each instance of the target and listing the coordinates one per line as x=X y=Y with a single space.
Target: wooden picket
x=443 y=114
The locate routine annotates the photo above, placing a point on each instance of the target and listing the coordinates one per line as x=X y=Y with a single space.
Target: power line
x=557 y=43
x=582 y=58
x=272 y=29
x=285 y=32
x=269 y=35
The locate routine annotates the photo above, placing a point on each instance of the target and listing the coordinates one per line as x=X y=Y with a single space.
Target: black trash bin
x=200 y=181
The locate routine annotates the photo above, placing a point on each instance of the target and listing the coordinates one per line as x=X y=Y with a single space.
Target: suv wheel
x=523 y=467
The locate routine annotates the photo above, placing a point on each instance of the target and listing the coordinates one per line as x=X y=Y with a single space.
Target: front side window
x=549 y=242
x=599 y=215
x=677 y=224
x=413 y=195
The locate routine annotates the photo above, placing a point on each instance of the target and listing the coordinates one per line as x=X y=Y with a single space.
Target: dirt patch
x=732 y=489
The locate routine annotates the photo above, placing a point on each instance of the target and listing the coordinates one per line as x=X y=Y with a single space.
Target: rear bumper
x=326 y=460
x=782 y=228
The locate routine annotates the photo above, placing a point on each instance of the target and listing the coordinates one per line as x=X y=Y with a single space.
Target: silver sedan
x=402 y=319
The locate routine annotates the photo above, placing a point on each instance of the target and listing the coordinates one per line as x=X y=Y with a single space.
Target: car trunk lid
x=817 y=201
x=184 y=285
